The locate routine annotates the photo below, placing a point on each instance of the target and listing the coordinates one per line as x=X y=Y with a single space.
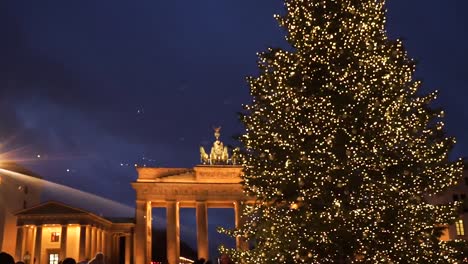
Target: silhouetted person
x=69 y=261
x=208 y=262
x=6 y=258
x=19 y=262
x=98 y=259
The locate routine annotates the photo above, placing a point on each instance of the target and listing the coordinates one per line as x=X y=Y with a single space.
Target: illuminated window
x=460 y=228
x=53 y=258
x=55 y=237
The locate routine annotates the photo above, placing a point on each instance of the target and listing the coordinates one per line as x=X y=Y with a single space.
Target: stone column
x=29 y=243
x=63 y=242
x=98 y=240
x=113 y=254
x=83 y=238
x=20 y=239
x=127 y=249
x=116 y=248
x=88 y=242
x=93 y=241
x=132 y=246
x=202 y=229
x=101 y=240
x=240 y=241
x=143 y=232
x=38 y=246
x=149 y=230
x=173 y=232
x=108 y=245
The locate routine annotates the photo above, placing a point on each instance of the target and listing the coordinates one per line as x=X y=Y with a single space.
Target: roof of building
x=55 y=210
x=15 y=167
x=51 y=207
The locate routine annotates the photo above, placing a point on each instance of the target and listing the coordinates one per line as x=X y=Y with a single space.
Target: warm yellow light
x=460 y=227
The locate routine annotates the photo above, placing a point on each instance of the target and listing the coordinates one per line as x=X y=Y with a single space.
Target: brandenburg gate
x=214 y=184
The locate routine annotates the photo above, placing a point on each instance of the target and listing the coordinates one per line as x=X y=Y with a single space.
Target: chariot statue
x=219 y=154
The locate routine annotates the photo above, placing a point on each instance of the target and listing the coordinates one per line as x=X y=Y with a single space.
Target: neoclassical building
x=51 y=231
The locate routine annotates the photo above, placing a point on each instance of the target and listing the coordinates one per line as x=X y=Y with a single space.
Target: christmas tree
x=341 y=150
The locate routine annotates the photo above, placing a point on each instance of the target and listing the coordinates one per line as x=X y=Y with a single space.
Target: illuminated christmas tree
x=341 y=149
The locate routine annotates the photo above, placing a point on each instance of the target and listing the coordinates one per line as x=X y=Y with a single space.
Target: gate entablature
x=218 y=186
x=201 y=173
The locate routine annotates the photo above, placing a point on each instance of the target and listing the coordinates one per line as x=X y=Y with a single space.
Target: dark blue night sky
x=94 y=85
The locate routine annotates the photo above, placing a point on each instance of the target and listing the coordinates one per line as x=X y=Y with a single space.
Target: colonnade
x=77 y=241
x=143 y=227
x=203 y=187
x=114 y=255
x=91 y=241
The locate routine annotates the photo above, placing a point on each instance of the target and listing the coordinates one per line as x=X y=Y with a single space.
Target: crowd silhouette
x=6 y=258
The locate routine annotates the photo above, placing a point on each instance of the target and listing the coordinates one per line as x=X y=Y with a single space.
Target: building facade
x=53 y=231
x=458 y=192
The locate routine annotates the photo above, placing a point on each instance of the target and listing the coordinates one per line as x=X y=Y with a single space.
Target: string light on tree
x=340 y=149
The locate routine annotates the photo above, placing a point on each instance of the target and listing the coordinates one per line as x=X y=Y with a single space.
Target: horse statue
x=225 y=156
x=204 y=157
x=235 y=156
